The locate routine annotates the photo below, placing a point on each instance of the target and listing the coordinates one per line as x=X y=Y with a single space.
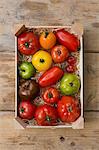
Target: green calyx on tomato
x=69 y=109
x=26 y=44
x=22 y=109
x=48 y=118
x=46 y=34
x=50 y=95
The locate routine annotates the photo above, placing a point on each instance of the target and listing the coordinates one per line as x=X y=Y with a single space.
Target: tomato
x=51 y=95
x=59 y=53
x=28 y=43
x=70 y=68
x=68 y=109
x=47 y=40
x=42 y=60
x=68 y=40
x=28 y=89
x=26 y=109
x=46 y=115
x=51 y=76
x=71 y=60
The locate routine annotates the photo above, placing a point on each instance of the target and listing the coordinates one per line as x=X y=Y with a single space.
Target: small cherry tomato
x=70 y=68
x=28 y=43
x=68 y=109
x=46 y=115
x=51 y=95
x=47 y=40
x=26 y=109
x=71 y=60
x=59 y=53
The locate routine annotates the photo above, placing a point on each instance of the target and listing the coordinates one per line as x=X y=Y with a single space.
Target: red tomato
x=70 y=68
x=51 y=95
x=59 y=53
x=71 y=60
x=68 y=40
x=28 y=43
x=51 y=76
x=68 y=109
x=26 y=110
x=46 y=115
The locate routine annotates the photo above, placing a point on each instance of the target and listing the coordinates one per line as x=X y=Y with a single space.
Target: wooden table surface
x=49 y=12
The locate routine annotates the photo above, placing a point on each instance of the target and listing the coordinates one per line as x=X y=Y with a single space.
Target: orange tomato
x=47 y=40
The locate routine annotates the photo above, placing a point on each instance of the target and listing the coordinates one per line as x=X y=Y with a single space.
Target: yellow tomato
x=42 y=60
x=47 y=40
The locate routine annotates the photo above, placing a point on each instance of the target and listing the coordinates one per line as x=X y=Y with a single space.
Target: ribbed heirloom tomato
x=59 y=53
x=46 y=115
x=47 y=40
x=28 y=43
x=68 y=109
x=51 y=95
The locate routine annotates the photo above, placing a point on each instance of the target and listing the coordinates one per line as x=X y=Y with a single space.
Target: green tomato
x=26 y=70
x=69 y=84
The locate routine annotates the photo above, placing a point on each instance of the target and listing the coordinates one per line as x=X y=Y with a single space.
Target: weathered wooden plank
x=44 y=139
x=7 y=81
x=49 y=12
x=91 y=84
x=91 y=81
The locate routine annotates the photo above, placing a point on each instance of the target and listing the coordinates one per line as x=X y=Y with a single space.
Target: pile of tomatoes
x=38 y=77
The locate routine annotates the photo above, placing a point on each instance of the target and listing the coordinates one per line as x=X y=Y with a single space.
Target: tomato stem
x=26 y=44
x=46 y=34
x=79 y=48
x=58 y=52
x=42 y=60
x=48 y=118
x=22 y=110
x=50 y=95
x=71 y=84
x=69 y=108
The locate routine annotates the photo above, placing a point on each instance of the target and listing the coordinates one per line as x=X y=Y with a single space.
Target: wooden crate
x=76 y=29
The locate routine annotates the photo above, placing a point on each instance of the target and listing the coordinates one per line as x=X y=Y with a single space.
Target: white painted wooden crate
x=76 y=29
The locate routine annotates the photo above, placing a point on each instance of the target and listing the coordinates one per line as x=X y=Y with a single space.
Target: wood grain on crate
x=49 y=12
